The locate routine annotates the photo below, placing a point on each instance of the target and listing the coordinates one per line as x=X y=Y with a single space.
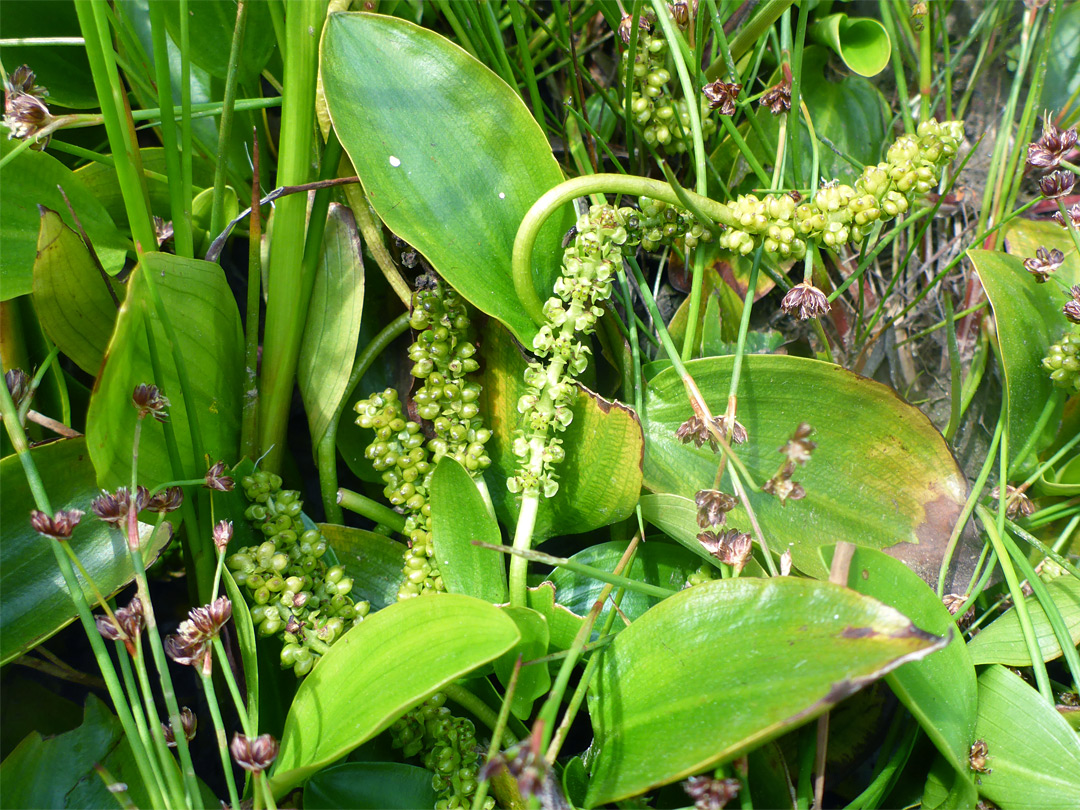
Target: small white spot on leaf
x=394 y=161
x=502 y=195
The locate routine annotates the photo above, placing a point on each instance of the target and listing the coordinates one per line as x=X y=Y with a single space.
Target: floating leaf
x=881 y=476
x=71 y=299
x=36 y=603
x=1002 y=642
x=1037 y=769
x=370 y=786
x=600 y=479
x=333 y=323
x=449 y=156
x=720 y=668
x=458 y=517
x=197 y=298
x=381 y=668
x=373 y=561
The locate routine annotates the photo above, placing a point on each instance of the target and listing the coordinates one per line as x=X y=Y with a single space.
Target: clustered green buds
x=447 y=746
x=1063 y=362
x=840 y=214
x=295 y=595
x=664 y=119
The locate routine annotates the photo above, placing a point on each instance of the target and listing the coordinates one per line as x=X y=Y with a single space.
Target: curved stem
x=522 y=542
x=373 y=510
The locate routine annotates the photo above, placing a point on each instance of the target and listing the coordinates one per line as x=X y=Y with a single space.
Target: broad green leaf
x=211 y=24
x=333 y=322
x=458 y=517
x=656 y=563
x=600 y=479
x=738 y=662
x=203 y=312
x=1033 y=756
x=535 y=680
x=381 y=668
x=1002 y=641
x=881 y=476
x=374 y=562
x=563 y=625
x=370 y=786
x=940 y=691
x=946 y=789
x=62 y=69
x=36 y=603
x=71 y=299
x=30 y=180
x=449 y=156
x=862 y=43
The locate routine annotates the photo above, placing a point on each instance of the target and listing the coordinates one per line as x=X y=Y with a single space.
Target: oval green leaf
x=881 y=477
x=941 y=690
x=333 y=322
x=1003 y=642
x=381 y=668
x=600 y=479
x=36 y=603
x=533 y=680
x=197 y=298
x=370 y=786
x=374 y=562
x=458 y=517
x=449 y=156
x=1037 y=769
x=736 y=662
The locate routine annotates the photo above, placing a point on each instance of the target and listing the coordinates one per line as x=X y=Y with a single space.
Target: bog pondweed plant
x=768 y=235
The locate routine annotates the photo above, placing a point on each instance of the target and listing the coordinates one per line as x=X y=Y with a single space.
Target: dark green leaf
x=36 y=603
x=380 y=669
x=563 y=625
x=62 y=69
x=370 y=786
x=535 y=680
x=448 y=154
x=203 y=311
x=374 y=562
x=1002 y=642
x=736 y=662
x=211 y=24
x=458 y=517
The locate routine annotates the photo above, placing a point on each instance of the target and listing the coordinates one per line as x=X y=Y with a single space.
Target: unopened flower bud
x=223 y=533
x=254 y=755
x=1057 y=184
x=149 y=401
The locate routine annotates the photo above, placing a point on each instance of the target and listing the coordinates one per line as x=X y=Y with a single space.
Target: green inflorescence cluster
x=1063 y=361
x=664 y=119
x=442 y=356
x=704 y=573
x=447 y=746
x=294 y=594
x=589 y=266
x=841 y=214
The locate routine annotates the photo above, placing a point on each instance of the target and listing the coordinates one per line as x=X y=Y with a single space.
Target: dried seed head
x=798 y=448
x=1074 y=217
x=713 y=507
x=132 y=618
x=223 y=533
x=25 y=115
x=149 y=401
x=626 y=25
x=113 y=507
x=1017 y=502
x=807 y=300
x=778 y=97
x=783 y=487
x=1052 y=147
x=205 y=623
x=1072 y=309
x=18 y=385
x=709 y=793
x=680 y=13
x=1057 y=184
x=1044 y=263
x=23 y=80
x=188 y=652
x=188 y=722
x=731 y=547
x=697 y=431
x=168 y=500
x=216 y=478
x=254 y=755
x=722 y=96
x=57 y=527
x=294 y=627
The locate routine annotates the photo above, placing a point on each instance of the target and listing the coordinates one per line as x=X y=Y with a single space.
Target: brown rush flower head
x=626 y=25
x=680 y=12
x=778 y=97
x=254 y=755
x=731 y=547
x=783 y=487
x=25 y=115
x=216 y=478
x=697 y=431
x=223 y=533
x=713 y=507
x=1016 y=501
x=18 y=385
x=1057 y=184
x=1072 y=309
x=1074 y=217
x=113 y=507
x=709 y=793
x=722 y=96
x=23 y=80
x=149 y=401
x=164 y=233
x=59 y=526
x=1044 y=263
x=189 y=652
x=799 y=447
x=205 y=623
x=1052 y=147
x=188 y=722
x=168 y=500
x=806 y=299
x=130 y=623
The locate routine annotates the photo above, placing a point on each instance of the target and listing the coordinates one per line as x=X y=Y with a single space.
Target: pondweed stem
x=217 y=210
x=519 y=564
x=219 y=736
x=371 y=509
x=246 y=720
x=162 y=797
x=157 y=733
x=249 y=420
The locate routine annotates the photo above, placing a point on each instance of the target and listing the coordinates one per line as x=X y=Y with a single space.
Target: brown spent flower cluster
x=730 y=547
x=697 y=431
x=797 y=449
x=59 y=526
x=1048 y=152
x=217 y=479
x=25 y=114
x=112 y=507
x=188 y=723
x=1071 y=310
x=168 y=500
x=18 y=385
x=713 y=506
x=722 y=96
x=778 y=97
x=1044 y=263
x=806 y=300
x=149 y=401
x=710 y=793
x=1074 y=217
x=254 y=755
x=1057 y=184
x=1016 y=501
x=626 y=26
x=130 y=622
x=191 y=645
